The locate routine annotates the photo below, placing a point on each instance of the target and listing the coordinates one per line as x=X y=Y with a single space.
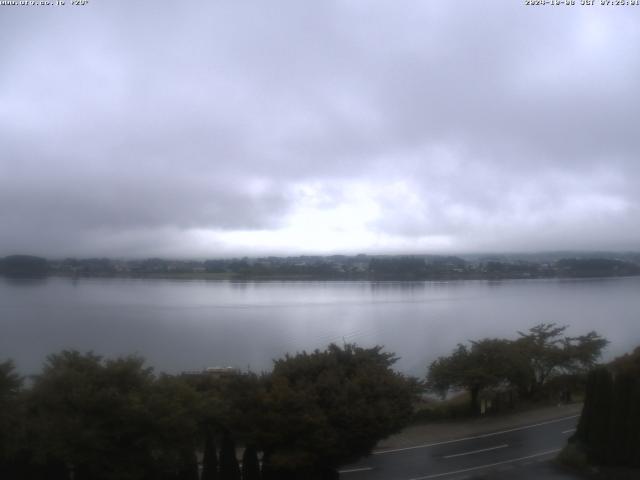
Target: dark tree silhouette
x=102 y=419
x=250 y=464
x=210 y=458
x=326 y=408
x=229 y=469
x=10 y=419
x=189 y=465
x=23 y=265
x=486 y=363
x=609 y=427
x=526 y=364
x=593 y=428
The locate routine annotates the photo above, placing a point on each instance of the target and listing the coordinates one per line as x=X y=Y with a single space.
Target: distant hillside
x=23 y=265
x=595 y=267
x=338 y=267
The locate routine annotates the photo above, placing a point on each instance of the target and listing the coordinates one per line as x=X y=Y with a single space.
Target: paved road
x=491 y=455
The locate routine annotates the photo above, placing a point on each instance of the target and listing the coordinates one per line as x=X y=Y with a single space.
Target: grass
x=571 y=456
x=574 y=459
x=429 y=410
x=457 y=407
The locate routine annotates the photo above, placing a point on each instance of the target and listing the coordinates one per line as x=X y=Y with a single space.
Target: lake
x=190 y=324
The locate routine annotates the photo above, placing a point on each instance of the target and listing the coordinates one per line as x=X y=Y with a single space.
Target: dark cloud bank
x=203 y=129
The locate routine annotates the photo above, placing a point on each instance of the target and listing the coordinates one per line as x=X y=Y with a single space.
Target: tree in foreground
x=326 y=408
x=109 y=419
x=609 y=428
x=229 y=468
x=209 y=458
x=486 y=363
x=547 y=352
x=188 y=469
x=250 y=464
x=86 y=413
x=593 y=426
x=99 y=419
x=11 y=420
x=526 y=364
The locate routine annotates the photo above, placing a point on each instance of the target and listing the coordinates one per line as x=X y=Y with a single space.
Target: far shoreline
x=230 y=277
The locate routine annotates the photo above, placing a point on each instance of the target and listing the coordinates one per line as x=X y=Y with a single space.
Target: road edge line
x=354 y=470
x=480 y=467
x=475 y=437
x=472 y=452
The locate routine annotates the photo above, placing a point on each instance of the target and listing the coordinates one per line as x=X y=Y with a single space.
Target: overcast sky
x=216 y=128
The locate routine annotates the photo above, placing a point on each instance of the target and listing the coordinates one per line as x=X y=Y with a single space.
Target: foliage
x=188 y=469
x=609 y=427
x=209 y=458
x=10 y=381
x=571 y=456
x=11 y=416
x=547 y=353
x=433 y=410
x=629 y=363
x=175 y=409
x=596 y=267
x=329 y=407
x=229 y=468
x=486 y=363
x=230 y=403
x=90 y=414
x=104 y=419
x=526 y=364
x=398 y=267
x=111 y=419
x=250 y=464
x=593 y=427
x=23 y=265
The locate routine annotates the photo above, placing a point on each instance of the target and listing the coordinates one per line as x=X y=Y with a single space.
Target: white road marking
x=476 y=451
x=489 y=465
x=569 y=431
x=484 y=435
x=354 y=470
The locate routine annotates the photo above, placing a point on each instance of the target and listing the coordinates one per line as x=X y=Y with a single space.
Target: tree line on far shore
x=333 y=267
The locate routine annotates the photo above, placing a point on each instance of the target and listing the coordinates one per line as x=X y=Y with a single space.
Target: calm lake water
x=183 y=325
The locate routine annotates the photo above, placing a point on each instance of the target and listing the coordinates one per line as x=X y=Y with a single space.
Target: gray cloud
x=184 y=130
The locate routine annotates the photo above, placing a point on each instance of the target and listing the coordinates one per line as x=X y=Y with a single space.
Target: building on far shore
x=214 y=372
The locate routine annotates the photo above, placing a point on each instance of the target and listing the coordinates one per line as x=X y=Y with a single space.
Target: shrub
x=573 y=457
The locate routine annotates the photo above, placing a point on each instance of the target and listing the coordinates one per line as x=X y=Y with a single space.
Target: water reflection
x=20 y=280
x=180 y=325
